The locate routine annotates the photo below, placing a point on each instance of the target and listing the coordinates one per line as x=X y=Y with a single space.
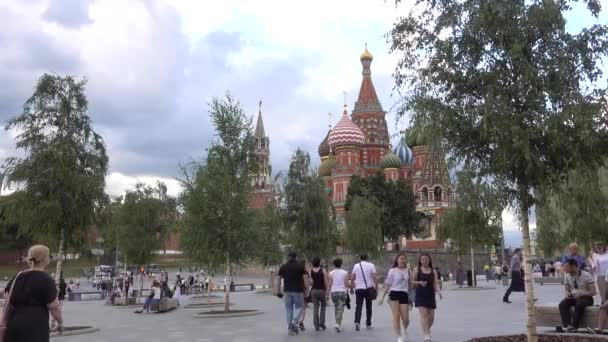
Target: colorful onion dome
x=366 y=55
x=324 y=147
x=390 y=161
x=415 y=137
x=327 y=166
x=403 y=151
x=345 y=133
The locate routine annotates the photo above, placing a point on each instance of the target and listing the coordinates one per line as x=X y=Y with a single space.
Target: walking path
x=460 y=316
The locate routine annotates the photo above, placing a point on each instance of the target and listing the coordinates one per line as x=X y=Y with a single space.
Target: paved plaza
x=461 y=315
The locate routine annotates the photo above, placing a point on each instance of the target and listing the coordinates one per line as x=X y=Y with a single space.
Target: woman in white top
x=600 y=270
x=338 y=284
x=397 y=285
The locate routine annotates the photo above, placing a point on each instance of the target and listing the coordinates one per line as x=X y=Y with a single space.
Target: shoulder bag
x=5 y=312
x=373 y=292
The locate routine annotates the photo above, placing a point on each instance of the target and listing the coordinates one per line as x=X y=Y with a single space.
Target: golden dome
x=366 y=55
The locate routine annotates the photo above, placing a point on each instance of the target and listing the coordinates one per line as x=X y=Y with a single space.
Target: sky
x=153 y=65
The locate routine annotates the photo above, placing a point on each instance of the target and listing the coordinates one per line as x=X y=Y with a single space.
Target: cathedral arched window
x=437 y=193
x=425 y=194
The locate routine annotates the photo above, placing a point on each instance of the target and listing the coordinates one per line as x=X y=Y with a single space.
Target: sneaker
x=357 y=326
x=323 y=327
x=290 y=332
x=301 y=326
x=368 y=326
x=592 y=331
x=399 y=339
x=427 y=338
x=337 y=327
x=317 y=328
x=570 y=329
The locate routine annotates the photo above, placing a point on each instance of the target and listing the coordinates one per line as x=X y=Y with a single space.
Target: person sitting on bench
x=580 y=289
x=154 y=297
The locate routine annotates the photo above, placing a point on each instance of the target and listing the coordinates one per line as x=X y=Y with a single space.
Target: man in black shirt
x=295 y=281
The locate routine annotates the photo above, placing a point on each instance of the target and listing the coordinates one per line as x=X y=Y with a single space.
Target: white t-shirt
x=156 y=292
x=369 y=270
x=602 y=265
x=337 y=277
x=398 y=279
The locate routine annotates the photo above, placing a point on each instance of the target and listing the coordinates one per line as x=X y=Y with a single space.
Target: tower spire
x=259 y=128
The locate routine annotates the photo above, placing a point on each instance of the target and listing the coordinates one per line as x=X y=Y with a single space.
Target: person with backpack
x=364 y=279
x=319 y=293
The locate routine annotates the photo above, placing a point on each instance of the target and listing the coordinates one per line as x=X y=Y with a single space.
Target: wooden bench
x=242 y=287
x=164 y=304
x=548 y=316
x=549 y=280
x=79 y=296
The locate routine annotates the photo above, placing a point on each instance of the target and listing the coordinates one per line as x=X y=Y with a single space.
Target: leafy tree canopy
x=395 y=199
x=63 y=171
x=363 y=233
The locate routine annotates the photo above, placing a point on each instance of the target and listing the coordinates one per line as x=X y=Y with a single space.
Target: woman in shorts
x=396 y=286
x=426 y=281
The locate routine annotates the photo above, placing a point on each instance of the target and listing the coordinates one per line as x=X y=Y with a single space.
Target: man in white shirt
x=364 y=279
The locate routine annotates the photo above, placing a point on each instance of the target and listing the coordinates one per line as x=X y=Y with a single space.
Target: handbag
x=373 y=292
x=5 y=312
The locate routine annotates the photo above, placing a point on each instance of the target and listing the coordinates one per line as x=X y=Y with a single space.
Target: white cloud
x=117 y=184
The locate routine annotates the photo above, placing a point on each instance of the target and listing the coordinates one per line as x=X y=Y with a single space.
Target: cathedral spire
x=368 y=99
x=259 y=128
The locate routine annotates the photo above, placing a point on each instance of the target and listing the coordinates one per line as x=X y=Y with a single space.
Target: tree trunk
x=60 y=255
x=527 y=263
x=473 y=276
x=227 y=288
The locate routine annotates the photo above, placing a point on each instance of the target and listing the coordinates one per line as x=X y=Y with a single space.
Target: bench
x=164 y=304
x=78 y=296
x=548 y=316
x=130 y=301
x=549 y=280
x=242 y=287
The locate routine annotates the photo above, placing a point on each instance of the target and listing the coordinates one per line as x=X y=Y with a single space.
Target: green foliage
x=475 y=221
x=575 y=210
x=63 y=171
x=11 y=236
x=314 y=232
x=505 y=85
x=269 y=235
x=139 y=223
x=395 y=199
x=363 y=233
x=218 y=226
x=299 y=172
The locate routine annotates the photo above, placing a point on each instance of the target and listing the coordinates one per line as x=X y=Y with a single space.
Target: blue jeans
x=148 y=303
x=294 y=302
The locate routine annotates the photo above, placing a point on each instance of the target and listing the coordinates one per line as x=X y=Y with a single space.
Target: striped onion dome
x=404 y=152
x=324 y=147
x=327 y=166
x=345 y=133
x=390 y=161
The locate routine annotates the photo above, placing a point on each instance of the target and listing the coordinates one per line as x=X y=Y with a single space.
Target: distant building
x=265 y=190
x=359 y=144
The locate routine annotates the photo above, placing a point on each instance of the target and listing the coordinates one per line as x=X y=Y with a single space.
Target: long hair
x=396 y=262
x=420 y=261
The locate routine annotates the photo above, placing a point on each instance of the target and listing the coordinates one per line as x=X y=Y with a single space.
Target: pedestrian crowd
x=299 y=283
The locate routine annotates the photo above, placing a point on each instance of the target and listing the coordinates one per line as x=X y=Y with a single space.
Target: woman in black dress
x=426 y=281
x=32 y=297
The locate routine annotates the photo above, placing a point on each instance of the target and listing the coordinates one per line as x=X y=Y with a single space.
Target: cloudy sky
x=153 y=65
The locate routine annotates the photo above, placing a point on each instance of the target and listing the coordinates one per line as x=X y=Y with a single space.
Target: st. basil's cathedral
x=359 y=144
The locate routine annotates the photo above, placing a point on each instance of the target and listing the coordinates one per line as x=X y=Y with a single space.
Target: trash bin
x=469 y=278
